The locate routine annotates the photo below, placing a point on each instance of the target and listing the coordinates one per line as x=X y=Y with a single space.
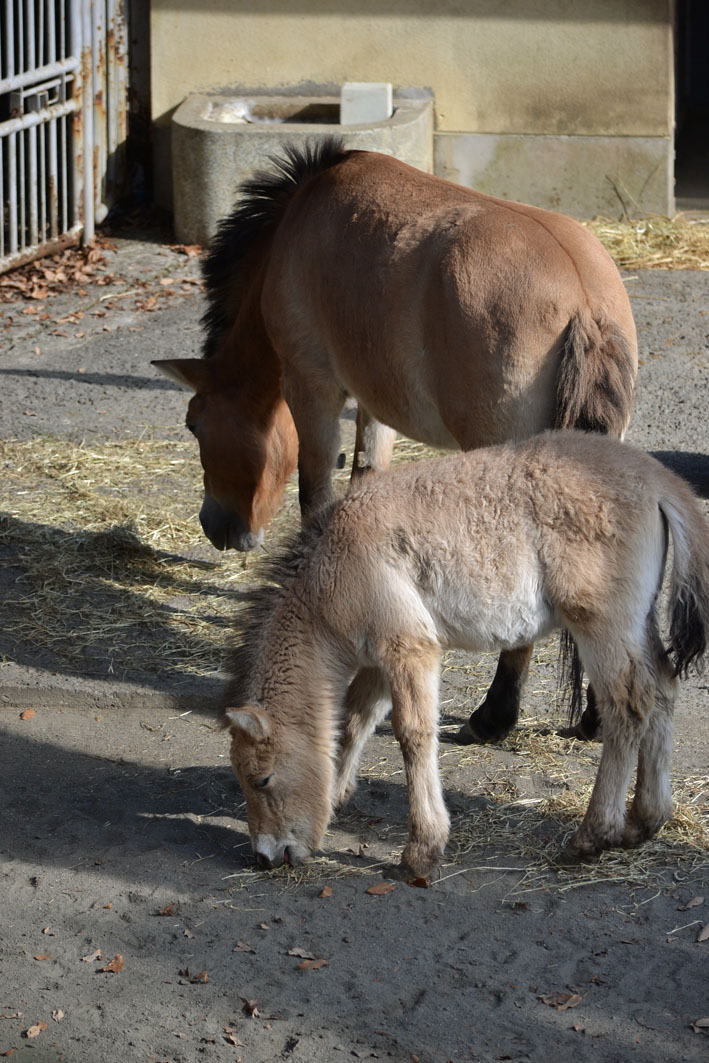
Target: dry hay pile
x=655 y=242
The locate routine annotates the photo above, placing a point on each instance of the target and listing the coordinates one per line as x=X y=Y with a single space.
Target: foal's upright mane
x=276 y=575
x=262 y=200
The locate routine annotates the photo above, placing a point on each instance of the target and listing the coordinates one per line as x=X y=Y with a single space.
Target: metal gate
x=63 y=116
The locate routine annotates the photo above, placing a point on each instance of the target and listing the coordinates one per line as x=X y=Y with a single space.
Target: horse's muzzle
x=224 y=529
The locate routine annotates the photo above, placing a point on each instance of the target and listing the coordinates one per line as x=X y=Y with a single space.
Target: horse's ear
x=252 y=722
x=194 y=373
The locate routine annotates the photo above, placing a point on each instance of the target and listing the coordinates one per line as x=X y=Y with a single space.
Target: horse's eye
x=262 y=783
x=192 y=428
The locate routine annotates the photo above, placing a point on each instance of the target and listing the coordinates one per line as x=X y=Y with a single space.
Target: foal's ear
x=194 y=373
x=252 y=722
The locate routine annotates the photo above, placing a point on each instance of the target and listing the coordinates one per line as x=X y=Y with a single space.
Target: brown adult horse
x=454 y=318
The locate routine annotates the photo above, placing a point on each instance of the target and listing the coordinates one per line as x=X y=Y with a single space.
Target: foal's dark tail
x=594 y=387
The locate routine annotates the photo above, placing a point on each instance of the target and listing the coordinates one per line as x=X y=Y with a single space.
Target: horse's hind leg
x=499 y=712
x=652 y=801
x=374 y=444
x=367 y=702
x=625 y=702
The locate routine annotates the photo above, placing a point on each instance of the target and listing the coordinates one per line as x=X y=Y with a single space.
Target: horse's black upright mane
x=275 y=575
x=261 y=200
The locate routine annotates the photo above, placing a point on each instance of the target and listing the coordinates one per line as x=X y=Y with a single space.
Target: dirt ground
x=123 y=828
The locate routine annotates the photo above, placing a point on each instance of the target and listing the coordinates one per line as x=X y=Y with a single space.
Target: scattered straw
x=655 y=242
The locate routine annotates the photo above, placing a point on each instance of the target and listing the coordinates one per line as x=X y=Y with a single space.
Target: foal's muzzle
x=225 y=529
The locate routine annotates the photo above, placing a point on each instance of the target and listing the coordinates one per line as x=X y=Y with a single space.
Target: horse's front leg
x=316 y=405
x=367 y=702
x=414 y=691
x=374 y=444
x=499 y=712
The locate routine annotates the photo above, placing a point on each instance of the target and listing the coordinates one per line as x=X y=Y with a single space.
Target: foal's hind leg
x=374 y=444
x=367 y=702
x=625 y=701
x=652 y=802
x=499 y=712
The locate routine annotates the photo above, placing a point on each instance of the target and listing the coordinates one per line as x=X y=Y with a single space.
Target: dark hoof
x=580 y=733
x=477 y=733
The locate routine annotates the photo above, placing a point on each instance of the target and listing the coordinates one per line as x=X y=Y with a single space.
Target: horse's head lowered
x=247 y=451
x=286 y=781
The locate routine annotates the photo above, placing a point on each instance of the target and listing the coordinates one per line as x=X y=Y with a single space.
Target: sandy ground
x=123 y=830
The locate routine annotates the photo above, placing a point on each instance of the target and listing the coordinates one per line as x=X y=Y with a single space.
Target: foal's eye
x=262 y=782
x=191 y=428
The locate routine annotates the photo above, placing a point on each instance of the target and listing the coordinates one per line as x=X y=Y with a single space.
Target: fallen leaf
x=27 y=714
x=700 y=1025
x=703 y=934
x=95 y=955
x=169 y=909
x=562 y=1001
x=250 y=1007
x=301 y=954
x=36 y=1030
x=578 y=1027
x=243 y=946
x=44 y=956
x=113 y=966
x=231 y=1038
x=108 y=906
x=693 y=902
x=381 y=888
x=312 y=965
x=8 y=1052
x=420 y=882
x=326 y=891
x=48 y=930
x=188 y=933
x=264 y=926
x=57 y=1014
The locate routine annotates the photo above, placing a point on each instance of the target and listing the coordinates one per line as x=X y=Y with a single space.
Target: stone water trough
x=218 y=141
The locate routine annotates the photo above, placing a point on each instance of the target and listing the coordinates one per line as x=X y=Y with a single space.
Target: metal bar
x=40 y=33
x=22 y=190
x=87 y=122
x=35 y=118
x=42 y=73
x=52 y=188
x=32 y=189
x=13 y=236
x=76 y=128
x=98 y=106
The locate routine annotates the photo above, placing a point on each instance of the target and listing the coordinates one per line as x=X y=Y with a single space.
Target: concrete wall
x=585 y=85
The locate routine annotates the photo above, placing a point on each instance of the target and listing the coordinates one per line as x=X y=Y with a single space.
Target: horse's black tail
x=571 y=675
x=261 y=201
x=594 y=388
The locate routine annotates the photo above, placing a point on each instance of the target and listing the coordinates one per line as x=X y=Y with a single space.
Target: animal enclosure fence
x=63 y=113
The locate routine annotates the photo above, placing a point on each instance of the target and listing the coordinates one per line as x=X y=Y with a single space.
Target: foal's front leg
x=367 y=702
x=414 y=691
